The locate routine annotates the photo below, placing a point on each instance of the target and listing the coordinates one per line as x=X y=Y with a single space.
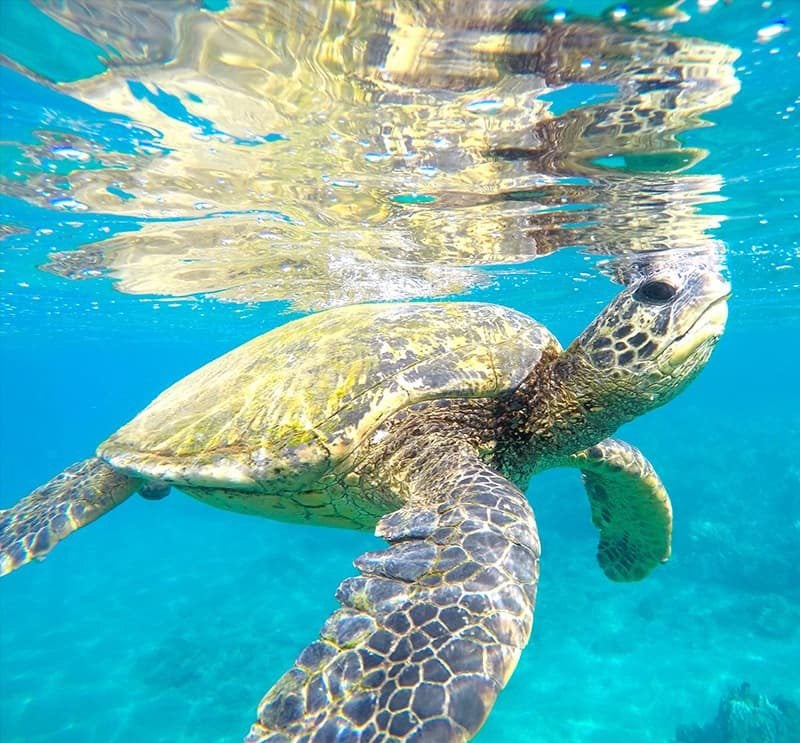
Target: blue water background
x=167 y=621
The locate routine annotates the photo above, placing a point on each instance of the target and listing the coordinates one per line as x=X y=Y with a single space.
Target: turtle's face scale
x=657 y=334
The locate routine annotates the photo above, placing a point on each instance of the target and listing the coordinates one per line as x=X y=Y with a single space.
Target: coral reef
x=746 y=717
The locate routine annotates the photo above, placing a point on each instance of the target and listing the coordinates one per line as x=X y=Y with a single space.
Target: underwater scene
x=178 y=177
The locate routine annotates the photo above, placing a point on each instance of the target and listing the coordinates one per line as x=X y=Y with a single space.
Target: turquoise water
x=168 y=620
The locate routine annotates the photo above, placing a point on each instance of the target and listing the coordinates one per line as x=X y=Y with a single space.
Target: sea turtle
x=424 y=421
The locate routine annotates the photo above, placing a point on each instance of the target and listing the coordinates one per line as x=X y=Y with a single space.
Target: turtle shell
x=291 y=404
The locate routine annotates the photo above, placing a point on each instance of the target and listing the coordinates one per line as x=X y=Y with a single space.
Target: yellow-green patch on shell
x=278 y=412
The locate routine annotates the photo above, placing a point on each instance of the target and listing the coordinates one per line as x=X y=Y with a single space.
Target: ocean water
x=168 y=620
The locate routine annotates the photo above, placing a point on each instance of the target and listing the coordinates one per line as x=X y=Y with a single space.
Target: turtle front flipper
x=630 y=507
x=75 y=497
x=432 y=629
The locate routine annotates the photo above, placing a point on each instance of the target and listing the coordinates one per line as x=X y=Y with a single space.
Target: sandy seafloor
x=167 y=621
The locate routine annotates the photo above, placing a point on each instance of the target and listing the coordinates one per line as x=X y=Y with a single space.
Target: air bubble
x=70 y=153
x=769 y=32
x=620 y=12
x=69 y=204
x=486 y=106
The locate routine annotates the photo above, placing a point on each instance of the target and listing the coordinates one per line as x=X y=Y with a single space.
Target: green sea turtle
x=424 y=421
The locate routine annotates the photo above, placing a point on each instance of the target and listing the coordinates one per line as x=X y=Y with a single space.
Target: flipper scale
x=73 y=498
x=630 y=507
x=431 y=630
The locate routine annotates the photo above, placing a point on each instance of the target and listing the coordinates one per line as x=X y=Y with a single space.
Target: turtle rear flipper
x=432 y=629
x=75 y=497
x=630 y=507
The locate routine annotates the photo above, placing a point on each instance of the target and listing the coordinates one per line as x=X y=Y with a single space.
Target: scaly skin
x=75 y=497
x=433 y=628
x=630 y=507
x=430 y=632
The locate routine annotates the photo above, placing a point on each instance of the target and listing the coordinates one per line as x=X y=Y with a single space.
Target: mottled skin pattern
x=73 y=498
x=635 y=530
x=427 y=420
x=431 y=630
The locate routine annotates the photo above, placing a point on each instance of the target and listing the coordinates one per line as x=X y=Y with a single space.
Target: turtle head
x=653 y=338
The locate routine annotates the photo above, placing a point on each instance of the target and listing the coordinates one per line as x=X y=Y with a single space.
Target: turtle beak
x=712 y=320
x=709 y=325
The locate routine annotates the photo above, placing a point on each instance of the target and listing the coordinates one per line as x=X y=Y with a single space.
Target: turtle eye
x=655 y=292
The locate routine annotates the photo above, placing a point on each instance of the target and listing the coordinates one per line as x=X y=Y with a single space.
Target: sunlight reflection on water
x=339 y=152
